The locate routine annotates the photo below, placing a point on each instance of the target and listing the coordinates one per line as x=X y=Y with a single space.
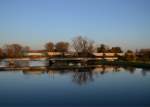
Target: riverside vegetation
x=82 y=47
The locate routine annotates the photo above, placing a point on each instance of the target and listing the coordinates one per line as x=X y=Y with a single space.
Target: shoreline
x=126 y=64
x=95 y=63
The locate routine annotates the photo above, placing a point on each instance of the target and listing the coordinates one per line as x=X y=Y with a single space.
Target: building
x=54 y=54
x=36 y=53
x=108 y=56
x=44 y=53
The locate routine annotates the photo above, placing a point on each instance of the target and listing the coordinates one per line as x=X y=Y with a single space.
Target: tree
x=49 y=46
x=25 y=50
x=62 y=46
x=13 y=50
x=116 y=50
x=102 y=49
x=1 y=53
x=143 y=55
x=129 y=52
x=17 y=48
x=8 y=51
x=130 y=55
x=83 y=45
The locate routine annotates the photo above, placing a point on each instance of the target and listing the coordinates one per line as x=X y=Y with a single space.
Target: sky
x=124 y=23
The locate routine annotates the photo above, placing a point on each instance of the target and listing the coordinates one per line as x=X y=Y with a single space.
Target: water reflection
x=20 y=63
x=79 y=76
x=130 y=69
x=83 y=76
x=33 y=82
x=33 y=72
x=145 y=71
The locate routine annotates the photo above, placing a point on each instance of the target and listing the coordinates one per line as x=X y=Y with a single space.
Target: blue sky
x=125 y=23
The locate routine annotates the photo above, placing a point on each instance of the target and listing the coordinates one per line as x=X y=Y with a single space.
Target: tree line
x=81 y=46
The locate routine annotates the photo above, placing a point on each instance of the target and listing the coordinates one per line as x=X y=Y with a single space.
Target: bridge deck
x=73 y=59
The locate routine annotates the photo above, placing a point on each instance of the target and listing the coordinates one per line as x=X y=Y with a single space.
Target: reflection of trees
x=116 y=68
x=144 y=71
x=33 y=72
x=130 y=69
x=106 y=69
x=103 y=70
x=82 y=76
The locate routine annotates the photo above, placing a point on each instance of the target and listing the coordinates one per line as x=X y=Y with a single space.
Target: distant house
x=44 y=53
x=108 y=56
x=54 y=54
x=57 y=54
x=36 y=53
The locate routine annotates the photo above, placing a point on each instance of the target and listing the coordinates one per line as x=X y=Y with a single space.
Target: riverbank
x=72 y=63
x=126 y=64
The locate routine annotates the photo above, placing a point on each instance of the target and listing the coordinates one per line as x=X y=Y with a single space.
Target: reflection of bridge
x=52 y=59
x=35 y=68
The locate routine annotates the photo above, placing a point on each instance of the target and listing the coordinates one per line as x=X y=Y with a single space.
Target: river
x=105 y=85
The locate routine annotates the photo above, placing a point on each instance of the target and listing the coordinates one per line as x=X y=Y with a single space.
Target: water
x=97 y=86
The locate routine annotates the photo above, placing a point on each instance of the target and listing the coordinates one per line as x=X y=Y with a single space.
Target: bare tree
x=83 y=45
x=62 y=46
x=49 y=46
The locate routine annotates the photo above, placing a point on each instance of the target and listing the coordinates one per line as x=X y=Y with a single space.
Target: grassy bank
x=126 y=64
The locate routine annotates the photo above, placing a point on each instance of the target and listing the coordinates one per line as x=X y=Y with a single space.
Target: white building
x=108 y=56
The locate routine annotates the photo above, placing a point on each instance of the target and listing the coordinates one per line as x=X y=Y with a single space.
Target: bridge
x=59 y=61
x=72 y=61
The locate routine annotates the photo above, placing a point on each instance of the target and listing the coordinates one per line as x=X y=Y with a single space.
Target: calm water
x=97 y=86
